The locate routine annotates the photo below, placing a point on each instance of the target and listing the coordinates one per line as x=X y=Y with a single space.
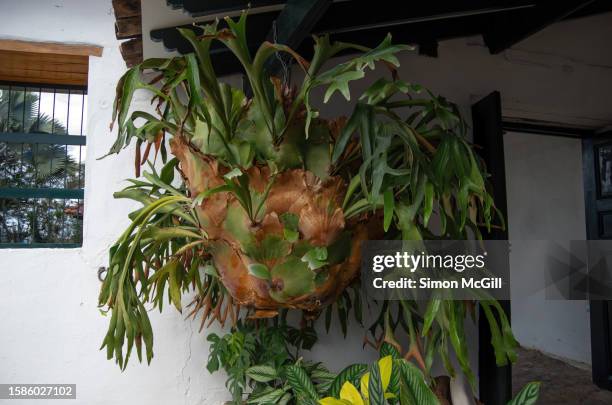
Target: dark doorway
x=597 y=172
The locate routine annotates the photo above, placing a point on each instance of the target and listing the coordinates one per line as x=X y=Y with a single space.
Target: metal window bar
x=41 y=165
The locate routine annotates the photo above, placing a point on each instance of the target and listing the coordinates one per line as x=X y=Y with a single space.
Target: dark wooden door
x=597 y=172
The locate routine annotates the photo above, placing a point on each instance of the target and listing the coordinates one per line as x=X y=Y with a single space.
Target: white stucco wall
x=545 y=202
x=51 y=329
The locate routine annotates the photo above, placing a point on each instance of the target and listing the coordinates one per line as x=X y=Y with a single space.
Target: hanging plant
x=272 y=201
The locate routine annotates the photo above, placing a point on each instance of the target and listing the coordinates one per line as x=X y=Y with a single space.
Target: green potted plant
x=263 y=204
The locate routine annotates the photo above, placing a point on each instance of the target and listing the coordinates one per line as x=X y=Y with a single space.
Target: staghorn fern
x=273 y=201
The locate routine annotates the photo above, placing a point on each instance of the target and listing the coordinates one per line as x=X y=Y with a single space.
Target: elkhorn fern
x=273 y=201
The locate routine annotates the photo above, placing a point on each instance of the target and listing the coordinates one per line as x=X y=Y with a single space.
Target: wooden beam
x=198 y=8
x=126 y=8
x=42 y=68
x=294 y=24
x=495 y=382
x=130 y=27
x=50 y=47
x=131 y=51
x=356 y=15
x=506 y=30
x=297 y=20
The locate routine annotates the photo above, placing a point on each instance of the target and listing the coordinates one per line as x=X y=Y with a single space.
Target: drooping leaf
x=414 y=389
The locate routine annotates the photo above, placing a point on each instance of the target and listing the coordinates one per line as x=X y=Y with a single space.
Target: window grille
x=42 y=170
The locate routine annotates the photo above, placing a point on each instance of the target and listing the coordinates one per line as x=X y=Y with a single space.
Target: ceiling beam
x=128 y=25
x=504 y=31
x=422 y=24
x=257 y=29
x=50 y=47
x=297 y=20
x=199 y=8
x=358 y=15
x=425 y=33
x=295 y=23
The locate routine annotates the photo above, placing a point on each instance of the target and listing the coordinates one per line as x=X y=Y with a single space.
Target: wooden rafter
x=43 y=68
x=55 y=48
x=128 y=26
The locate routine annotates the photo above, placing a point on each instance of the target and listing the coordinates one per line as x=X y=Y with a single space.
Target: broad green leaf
x=294 y=279
x=262 y=374
x=350 y=393
x=290 y=235
x=272 y=247
x=528 y=395
x=300 y=382
x=267 y=396
x=351 y=374
x=364 y=384
x=236 y=172
x=414 y=389
x=290 y=221
x=290 y=231
x=333 y=401
x=260 y=271
x=315 y=258
x=376 y=392
x=385 y=365
x=341 y=84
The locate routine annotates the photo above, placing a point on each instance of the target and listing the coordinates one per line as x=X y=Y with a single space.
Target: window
x=42 y=154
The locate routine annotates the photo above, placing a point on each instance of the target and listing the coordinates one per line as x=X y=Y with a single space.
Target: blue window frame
x=42 y=172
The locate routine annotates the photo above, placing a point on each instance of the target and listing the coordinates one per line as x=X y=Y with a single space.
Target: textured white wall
x=545 y=202
x=51 y=328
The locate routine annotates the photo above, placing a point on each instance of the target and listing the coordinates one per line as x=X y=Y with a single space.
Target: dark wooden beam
x=126 y=8
x=294 y=24
x=422 y=24
x=297 y=20
x=417 y=33
x=198 y=8
x=359 y=15
x=424 y=33
x=131 y=51
x=223 y=60
x=507 y=30
x=495 y=382
x=129 y=27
